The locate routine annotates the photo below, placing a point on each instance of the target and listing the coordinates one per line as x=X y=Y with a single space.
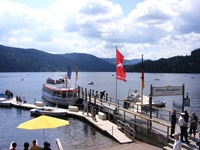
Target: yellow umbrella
x=43 y=122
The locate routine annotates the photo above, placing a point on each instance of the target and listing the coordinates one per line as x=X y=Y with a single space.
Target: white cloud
x=154 y=28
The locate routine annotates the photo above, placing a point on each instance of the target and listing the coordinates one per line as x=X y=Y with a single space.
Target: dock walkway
x=159 y=126
x=103 y=125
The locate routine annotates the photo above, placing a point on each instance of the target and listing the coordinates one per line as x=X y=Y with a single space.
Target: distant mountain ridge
x=125 y=62
x=32 y=60
x=177 y=64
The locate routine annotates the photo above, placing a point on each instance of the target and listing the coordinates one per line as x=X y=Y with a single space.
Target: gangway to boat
x=124 y=127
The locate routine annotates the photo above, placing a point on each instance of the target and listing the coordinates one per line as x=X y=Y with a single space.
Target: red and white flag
x=120 y=73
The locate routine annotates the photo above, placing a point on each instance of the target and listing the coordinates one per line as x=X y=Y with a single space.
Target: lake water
x=79 y=134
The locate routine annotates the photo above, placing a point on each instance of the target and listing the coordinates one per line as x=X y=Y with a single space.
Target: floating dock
x=104 y=125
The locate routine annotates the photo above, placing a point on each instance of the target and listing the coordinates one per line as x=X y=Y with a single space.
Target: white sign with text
x=167 y=90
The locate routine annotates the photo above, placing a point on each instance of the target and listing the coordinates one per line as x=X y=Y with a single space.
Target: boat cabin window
x=70 y=94
x=64 y=94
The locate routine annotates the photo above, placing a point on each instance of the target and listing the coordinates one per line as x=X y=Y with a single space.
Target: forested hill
x=178 y=64
x=32 y=60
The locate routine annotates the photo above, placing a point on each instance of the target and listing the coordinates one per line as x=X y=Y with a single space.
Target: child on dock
x=93 y=113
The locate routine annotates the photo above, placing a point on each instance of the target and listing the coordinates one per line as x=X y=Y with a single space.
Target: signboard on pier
x=167 y=90
x=187 y=102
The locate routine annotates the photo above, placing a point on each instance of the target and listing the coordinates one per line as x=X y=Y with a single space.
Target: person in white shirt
x=85 y=107
x=183 y=126
x=177 y=144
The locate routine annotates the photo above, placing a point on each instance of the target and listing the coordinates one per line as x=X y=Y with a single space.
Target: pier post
x=78 y=91
x=90 y=95
x=82 y=93
x=97 y=94
x=157 y=113
x=112 y=130
x=183 y=97
x=93 y=93
x=85 y=93
x=106 y=96
x=150 y=105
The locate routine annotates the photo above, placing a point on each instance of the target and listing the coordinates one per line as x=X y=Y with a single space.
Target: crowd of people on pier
x=185 y=121
x=8 y=94
x=34 y=146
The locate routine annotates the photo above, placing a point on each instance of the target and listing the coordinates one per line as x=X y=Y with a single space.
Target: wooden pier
x=147 y=126
x=120 y=122
x=104 y=125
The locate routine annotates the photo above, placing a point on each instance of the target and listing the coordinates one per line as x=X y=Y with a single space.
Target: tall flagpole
x=116 y=75
x=76 y=78
x=142 y=70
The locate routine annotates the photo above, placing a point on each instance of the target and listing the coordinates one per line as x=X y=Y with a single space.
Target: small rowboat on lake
x=91 y=83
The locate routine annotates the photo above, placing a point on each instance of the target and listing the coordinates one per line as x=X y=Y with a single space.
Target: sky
x=152 y=28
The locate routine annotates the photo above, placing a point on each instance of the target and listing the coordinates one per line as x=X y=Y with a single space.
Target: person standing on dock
x=35 y=146
x=193 y=125
x=186 y=116
x=177 y=144
x=93 y=113
x=102 y=94
x=173 y=122
x=14 y=145
x=183 y=126
x=46 y=146
x=85 y=107
x=26 y=146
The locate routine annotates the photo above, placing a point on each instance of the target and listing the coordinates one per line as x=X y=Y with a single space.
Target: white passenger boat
x=49 y=111
x=59 y=92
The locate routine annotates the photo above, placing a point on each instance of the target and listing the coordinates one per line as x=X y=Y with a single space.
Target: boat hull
x=49 y=112
x=157 y=104
x=5 y=103
x=58 y=100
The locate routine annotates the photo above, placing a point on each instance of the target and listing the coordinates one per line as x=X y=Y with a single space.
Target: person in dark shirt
x=46 y=146
x=26 y=146
x=186 y=117
x=173 y=122
x=193 y=125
